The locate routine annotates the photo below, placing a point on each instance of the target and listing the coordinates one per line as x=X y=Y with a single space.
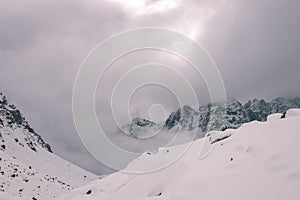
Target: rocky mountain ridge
x=220 y=116
x=11 y=117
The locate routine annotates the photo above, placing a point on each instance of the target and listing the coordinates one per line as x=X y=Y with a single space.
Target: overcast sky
x=255 y=44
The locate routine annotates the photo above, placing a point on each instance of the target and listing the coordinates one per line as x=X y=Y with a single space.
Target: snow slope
x=28 y=168
x=260 y=160
x=41 y=174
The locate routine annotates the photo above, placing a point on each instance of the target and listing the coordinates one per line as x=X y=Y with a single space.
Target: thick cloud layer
x=42 y=44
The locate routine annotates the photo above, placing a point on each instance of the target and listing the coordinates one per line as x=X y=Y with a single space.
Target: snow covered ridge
x=28 y=169
x=216 y=116
x=260 y=160
x=12 y=118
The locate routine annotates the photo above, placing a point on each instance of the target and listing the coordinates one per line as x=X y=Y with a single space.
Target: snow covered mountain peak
x=28 y=168
x=141 y=128
x=12 y=118
x=142 y=122
x=185 y=118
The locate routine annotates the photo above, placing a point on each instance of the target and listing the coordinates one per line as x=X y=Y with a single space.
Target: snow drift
x=260 y=160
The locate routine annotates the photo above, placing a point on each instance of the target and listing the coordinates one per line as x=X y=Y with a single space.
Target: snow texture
x=259 y=160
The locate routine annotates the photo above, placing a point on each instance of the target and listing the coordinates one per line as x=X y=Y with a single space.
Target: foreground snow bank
x=260 y=160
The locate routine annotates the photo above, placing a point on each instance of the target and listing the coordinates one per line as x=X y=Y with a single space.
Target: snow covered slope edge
x=261 y=160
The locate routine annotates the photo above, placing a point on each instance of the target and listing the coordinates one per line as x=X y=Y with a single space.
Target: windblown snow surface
x=260 y=160
x=35 y=175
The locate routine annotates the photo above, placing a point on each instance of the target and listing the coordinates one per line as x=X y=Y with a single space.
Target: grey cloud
x=256 y=48
x=42 y=44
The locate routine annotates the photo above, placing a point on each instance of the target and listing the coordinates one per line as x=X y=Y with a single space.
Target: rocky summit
x=11 y=117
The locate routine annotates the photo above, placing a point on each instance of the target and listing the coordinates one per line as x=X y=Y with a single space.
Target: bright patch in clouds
x=193 y=19
x=148 y=6
x=161 y=5
x=188 y=18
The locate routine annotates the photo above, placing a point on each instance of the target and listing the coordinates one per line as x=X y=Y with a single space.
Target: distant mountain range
x=214 y=116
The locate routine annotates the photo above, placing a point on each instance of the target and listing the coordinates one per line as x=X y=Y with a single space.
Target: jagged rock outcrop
x=185 y=118
x=281 y=105
x=11 y=117
x=216 y=116
x=258 y=110
x=230 y=114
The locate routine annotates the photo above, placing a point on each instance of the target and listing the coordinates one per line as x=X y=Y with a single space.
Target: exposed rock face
x=258 y=110
x=217 y=116
x=230 y=114
x=281 y=105
x=11 y=117
x=185 y=118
